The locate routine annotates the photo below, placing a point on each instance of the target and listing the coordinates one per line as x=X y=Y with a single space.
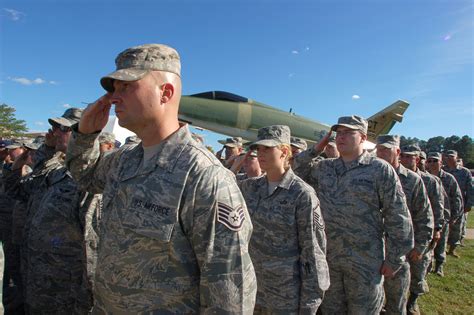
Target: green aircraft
x=238 y=116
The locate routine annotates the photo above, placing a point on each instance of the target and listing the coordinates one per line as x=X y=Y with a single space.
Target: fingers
x=96 y=115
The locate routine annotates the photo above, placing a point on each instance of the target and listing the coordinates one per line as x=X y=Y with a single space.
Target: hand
x=95 y=116
x=238 y=162
x=414 y=255
x=50 y=139
x=436 y=236
x=219 y=153
x=387 y=271
x=319 y=147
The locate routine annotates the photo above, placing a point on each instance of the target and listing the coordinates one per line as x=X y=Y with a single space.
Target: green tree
x=10 y=127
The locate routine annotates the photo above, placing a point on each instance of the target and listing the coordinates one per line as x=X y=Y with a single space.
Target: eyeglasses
x=432 y=161
x=61 y=128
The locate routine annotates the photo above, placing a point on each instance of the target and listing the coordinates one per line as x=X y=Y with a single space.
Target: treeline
x=463 y=145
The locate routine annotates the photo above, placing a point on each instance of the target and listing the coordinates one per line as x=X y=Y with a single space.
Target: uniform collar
x=402 y=170
x=166 y=156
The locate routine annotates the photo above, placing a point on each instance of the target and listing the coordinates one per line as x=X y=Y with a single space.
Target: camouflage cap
x=14 y=144
x=411 y=149
x=389 y=141
x=106 y=137
x=234 y=142
x=298 y=143
x=423 y=155
x=434 y=155
x=451 y=153
x=35 y=144
x=70 y=117
x=134 y=63
x=352 y=122
x=272 y=136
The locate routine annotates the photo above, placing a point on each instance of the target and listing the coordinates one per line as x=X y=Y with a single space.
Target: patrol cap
x=298 y=143
x=272 y=136
x=411 y=149
x=70 y=117
x=106 y=137
x=14 y=144
x=452 y=153
x=134 y=63
x=423 y=155
x=353 y=122
x=389 y=141
x=234 y=142
x=434 y=155
x=35 y=144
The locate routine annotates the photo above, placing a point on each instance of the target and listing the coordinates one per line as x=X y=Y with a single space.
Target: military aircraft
x=238 y=116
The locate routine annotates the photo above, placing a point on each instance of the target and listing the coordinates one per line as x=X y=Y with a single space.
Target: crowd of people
x=161 y=225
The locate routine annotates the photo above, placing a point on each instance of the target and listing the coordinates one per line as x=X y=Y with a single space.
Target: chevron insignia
x=233 y=218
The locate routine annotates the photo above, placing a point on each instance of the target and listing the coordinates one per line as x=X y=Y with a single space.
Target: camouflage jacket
x=56 y=234
x=464 y=178
x=419 y=206
x=436 y=195
x=454 y=200
x=360 y=203
x=288 y=244
x=173 y=235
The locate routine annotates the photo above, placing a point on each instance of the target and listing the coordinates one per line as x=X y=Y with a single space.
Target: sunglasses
x=432 y=161
x=61 y=128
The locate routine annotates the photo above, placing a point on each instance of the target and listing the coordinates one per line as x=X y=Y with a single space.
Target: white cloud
x=355 y=97
x=26 y=81
x=67 y=106
x=39 y=123
x=295 y=52
x=306 y=48
x=14 y=15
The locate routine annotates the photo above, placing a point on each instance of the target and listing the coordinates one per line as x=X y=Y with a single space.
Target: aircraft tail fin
x=383 y=121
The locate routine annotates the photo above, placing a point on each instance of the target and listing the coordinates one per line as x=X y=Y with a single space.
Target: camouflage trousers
x=455 y=231
x=396 y=291
x=439 y=252
x=418 y=271
x=354 y=290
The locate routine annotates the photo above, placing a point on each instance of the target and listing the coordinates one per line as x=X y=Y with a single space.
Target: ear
x=168 y=92
x=363 y=137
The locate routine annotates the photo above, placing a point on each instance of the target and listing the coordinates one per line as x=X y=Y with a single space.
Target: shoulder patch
x=233 y=218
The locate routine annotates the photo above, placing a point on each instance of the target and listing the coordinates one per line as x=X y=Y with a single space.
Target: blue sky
x=324 y=59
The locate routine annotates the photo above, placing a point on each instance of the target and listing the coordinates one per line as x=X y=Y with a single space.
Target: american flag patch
x=230 y=217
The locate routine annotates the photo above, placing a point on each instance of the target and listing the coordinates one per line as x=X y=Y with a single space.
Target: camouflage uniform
x=422 y=218
x=56 y=274
x=464 y=179
x=351 y=199
x=453 y=209
x=288 y=244
x=360 y=202
x=168 y=239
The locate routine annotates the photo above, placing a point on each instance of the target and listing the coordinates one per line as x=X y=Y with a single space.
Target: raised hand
x=95 y=116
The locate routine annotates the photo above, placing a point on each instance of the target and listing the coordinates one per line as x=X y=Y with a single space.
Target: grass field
x=453 y=294
x=470 y=220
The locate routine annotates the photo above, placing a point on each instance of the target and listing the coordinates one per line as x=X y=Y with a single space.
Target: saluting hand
x=321 y=145
x=95 y=116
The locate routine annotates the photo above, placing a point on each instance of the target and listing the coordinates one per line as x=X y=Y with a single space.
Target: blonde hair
x=288 y=156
